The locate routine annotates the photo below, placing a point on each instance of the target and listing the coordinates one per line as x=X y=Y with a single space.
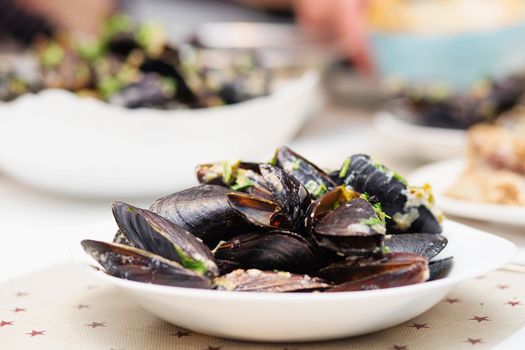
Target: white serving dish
x=428 y=143
x=59 y=142
x=442 y=175
x=309 y=316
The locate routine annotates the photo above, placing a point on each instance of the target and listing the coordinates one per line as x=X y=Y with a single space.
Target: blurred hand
x=71 y=15
x=343 y=19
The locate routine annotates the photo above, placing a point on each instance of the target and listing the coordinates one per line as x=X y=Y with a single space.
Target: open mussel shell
x=402 y=276
x=203 y=211
x=142 y=266
x=440 y=268
x=291 y=196
x=276 y=250
x=408 y=212
x=351 y=228
x=330 y=201
x=426 y=244
x=254 y=280
x=357 y=268
x=151 y=232
x=258 y=211
x=315 y=180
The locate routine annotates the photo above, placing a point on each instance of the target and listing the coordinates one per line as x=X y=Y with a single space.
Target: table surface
x=37 y=227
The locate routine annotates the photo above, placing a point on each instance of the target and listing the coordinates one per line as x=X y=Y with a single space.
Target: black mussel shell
x=336 y=178
x=121 y=44
x=315 y=180
x=352 y=228
x=258 y=211
x=406 y=215
x=153 y=233
x=265 y=281
x=203 y=211
x=426 y=244
x=357 y=268
x=277 y=250
x=151 y=91
x=440 y=268
x=184 y=93
x=291 y=196
x=327 y=203
x=139 y=265
x=402 y=276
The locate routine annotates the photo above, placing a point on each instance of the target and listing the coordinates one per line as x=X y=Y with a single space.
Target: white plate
x=421 y=141
x=443 y=174
x=59 y=142
x=311 y=316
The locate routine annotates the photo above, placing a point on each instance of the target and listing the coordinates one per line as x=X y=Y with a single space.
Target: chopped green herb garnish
x=385 y=250
x=52 y=55
x=399 y=178
x=108 y=86
x=116 y=24
x=372 y=221
x=227 y=172
x=380 y=167
x=344 y=169
x=188 y=262
x=273 y=161
x=365 y=196
x=316 y=189
x=380 y=213
x=169 y=86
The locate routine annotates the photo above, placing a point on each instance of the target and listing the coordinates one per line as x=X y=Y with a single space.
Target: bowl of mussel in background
x=283 y=251
x=129 y=113
x=436 y=117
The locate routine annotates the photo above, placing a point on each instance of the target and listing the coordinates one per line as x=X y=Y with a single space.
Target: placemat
x=64 y=307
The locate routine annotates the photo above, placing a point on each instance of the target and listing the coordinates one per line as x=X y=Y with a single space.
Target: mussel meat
x=254 y=280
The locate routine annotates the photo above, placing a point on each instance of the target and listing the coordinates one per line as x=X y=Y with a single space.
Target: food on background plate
x=281 y=226
x=439 y=106
x=496 y=162
x=134 y=65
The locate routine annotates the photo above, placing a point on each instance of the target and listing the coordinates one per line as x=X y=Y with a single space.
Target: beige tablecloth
x=66 y=308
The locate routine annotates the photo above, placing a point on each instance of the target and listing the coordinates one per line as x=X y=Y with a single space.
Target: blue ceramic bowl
x=454 y=59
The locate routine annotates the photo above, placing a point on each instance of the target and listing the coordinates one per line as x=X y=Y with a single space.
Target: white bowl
x=59 y=142
x=311 y=316
x=425 y=142
x=442 y=175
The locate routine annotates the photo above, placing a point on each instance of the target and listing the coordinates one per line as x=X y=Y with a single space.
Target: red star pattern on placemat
x=502 y=286
x=18 y=309
x=96 y=324
x=473 y=341
x=34 y=333
x=398 y=347
x=81 y=306
x=419 y=326
x=181 y=334
x=21 y=294
x=479 y=319
x=6 y=323
x=451 y=300
x=513 y=303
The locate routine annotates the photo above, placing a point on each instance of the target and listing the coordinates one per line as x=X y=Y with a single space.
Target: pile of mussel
x=134 y=65
x=281 y=226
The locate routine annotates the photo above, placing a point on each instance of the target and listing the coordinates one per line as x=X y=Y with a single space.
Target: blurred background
x=119 y=100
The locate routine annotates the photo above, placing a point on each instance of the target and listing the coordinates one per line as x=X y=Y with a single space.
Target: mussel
x=276 y=250
x=151 y=232
x=315 y=180
x=254 y=280
x=410 y=209
x=142 y=266
x=346 y=223
x=204 y=211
